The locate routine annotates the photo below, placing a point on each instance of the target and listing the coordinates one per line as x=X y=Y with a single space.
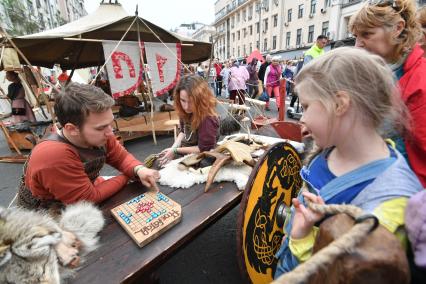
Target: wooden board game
x=147 y=216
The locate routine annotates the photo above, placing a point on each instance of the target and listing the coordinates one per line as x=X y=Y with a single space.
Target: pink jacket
x=237 y=78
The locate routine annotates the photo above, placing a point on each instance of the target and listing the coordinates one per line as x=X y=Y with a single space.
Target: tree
x=20 y=20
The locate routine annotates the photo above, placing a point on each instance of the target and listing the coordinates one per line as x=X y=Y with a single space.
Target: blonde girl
x=347 y=94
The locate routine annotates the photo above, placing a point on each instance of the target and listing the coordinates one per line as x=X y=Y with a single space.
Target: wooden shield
x=274 y=180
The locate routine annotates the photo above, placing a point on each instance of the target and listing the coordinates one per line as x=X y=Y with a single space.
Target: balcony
x=347 y=3
x=229 y=8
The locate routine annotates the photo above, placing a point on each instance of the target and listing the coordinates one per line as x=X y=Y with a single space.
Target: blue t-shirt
x=320 y=175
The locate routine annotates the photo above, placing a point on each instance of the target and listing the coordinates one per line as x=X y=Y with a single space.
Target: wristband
x=137 y=169
x=175 y=152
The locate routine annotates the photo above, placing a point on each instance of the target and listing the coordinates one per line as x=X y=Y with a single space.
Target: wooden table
x=119 y=259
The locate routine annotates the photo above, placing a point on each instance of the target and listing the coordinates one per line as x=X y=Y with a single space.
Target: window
x=257 y=45
x=300 y=13
x=265 y=25
x=265 y=44
x=298 y=37
x=250 y=12
x=257 y=27
x=275 y=19
x=244 y=33
x=232 y=21
x=244 y=50
x=313 y=6
x=289 y=15
x=239 y=54
x=287 y=39
x=244 y=15
x=327 y=3
x=324 y=29
x=238 y=35
x=274 y=42
x=311 y=34
x=233 y=36
x=233 y=51
x=251 y=47
x=238 y=17
x=250 y=30
x=30 y=7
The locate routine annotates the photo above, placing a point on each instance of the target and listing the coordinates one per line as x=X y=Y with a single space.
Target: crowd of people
x=364 y=106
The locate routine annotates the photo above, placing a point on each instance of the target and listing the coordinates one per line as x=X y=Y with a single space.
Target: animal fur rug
x=173 y=176
x=36 y=248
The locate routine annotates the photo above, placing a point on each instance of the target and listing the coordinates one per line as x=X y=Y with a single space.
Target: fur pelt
x=173 y=176
x=36 y=248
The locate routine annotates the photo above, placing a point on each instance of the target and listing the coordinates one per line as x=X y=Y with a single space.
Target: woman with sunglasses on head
x=389 y=28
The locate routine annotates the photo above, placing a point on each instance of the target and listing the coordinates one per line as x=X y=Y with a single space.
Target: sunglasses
x=384 y=3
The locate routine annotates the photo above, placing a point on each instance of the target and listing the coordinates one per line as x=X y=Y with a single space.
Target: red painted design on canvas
x=116 y=58
x=133 y=88
x=160 y=63
x=178 y=70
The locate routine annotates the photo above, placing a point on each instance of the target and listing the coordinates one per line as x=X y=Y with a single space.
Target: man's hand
x=148 y=177
x=305 y=218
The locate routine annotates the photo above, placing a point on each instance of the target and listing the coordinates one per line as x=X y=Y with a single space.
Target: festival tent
x=255 y=54
x=79 y=44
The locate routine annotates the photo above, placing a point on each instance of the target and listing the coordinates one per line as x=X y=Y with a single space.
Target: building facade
x=188 y=30
x=21 y=17
x=283 y=27
x=205 y=33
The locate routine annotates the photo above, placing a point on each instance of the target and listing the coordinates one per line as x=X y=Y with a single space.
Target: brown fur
x=379 y=258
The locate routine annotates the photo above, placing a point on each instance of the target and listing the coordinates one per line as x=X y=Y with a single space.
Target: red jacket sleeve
x=62 y=177
x=119 y=158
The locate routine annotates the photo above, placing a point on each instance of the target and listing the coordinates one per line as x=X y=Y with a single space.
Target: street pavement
x=210 y=258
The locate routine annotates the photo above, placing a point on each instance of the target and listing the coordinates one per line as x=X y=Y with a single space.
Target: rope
x=115 y=48
x=13 y=200
x=345 y=244
x=164 y=44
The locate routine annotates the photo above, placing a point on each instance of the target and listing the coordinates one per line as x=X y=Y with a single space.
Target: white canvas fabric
x=124 y=67
x=164 y=64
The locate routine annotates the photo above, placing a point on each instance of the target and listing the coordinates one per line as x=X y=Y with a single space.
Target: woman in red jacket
x=389 y=29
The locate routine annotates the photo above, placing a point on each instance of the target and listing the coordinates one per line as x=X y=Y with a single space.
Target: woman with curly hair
x=199 y=122
x=389 y=28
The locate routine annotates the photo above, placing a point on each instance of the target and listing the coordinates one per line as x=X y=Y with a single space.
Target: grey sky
x=166 y=13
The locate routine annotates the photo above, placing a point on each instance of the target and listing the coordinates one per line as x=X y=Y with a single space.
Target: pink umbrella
x=255 y=54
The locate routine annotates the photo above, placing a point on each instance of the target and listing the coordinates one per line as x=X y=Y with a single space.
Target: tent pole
x=151 y=95
x=4 y=33
x=75 y=63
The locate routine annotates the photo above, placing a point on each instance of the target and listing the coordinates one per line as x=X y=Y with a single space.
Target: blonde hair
x=387 y=14
x=365 y=77
x=421 y=18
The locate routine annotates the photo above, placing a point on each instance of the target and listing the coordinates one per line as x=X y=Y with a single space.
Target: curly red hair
x=201 y=97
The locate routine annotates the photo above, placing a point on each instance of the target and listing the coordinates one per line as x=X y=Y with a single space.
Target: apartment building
x=205 y=33
x=272 y=26
x=283 y=27
x=28 y=16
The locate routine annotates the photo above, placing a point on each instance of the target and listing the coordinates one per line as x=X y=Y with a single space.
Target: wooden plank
x=119 y=259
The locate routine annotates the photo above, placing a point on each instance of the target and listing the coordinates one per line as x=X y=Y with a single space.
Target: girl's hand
x=305 y=218
x=166 y=156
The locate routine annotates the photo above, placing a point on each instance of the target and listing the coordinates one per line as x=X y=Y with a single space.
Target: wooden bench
x=140 y=125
